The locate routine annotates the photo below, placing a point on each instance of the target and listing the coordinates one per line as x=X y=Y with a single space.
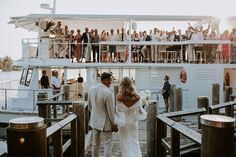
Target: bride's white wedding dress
x=127 y=120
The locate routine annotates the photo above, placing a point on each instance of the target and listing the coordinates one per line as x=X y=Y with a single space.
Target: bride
x=128 y=111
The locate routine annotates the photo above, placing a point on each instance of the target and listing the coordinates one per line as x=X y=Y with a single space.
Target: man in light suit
x=100 y=103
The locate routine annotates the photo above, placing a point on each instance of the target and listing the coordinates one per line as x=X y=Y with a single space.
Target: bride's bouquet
x=145 y=97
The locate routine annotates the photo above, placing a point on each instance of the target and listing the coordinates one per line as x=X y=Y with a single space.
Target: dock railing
x=164 y=120
x=80 y=108
x=228 y=108
x=171 y=145
x=56 y=132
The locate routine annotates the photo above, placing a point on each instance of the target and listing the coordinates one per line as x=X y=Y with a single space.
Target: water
x=12 y=75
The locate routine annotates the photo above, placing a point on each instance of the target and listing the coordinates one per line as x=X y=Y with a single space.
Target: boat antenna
x=54 y=7
x=47 y=6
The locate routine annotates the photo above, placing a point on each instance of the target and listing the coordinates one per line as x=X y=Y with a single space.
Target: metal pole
x=5 y=99
x=129 y=48
x=54 y=7
x=33 y=99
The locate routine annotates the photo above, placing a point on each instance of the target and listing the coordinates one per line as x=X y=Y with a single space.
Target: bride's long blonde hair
x=127 y=88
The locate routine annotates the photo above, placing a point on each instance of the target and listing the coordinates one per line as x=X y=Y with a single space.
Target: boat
x=194 y=78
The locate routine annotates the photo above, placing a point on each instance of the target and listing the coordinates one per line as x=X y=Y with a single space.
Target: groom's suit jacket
x=100 y=103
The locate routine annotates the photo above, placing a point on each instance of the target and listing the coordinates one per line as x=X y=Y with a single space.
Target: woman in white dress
x=128 y=111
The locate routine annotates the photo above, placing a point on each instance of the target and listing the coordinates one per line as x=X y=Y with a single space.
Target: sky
x=10 y=41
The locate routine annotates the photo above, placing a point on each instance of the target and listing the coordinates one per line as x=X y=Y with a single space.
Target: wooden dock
x=116 y=143
x=190 y=121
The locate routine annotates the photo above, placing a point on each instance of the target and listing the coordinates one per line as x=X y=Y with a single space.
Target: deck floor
x=116 y=143
x=190 y=121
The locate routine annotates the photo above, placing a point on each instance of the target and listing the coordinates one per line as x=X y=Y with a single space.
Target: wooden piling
x=178 y=102
x=217 y=136
x=227 y=94
x=26 y=137
x=202 y=102
x=172 y=89
x=66 y=90
x=229 y=111
x=44 y=111
x=160 y=133
x=215 y=96
x=178 y=99
x=78 y=108
x=152 y=110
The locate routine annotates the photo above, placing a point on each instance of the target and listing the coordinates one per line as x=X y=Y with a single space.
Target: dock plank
x=116 y=152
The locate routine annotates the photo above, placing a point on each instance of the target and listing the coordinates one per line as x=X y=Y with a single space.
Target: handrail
x=185 y=113
x=185 y=42
x=66 y=50
x=189 y=133
x=55 y=96
x=61 y=102
x=222 y=105
x=54 y=128
x=176 y=129
x=55 y=131
x=42 y=90
x=229 y=108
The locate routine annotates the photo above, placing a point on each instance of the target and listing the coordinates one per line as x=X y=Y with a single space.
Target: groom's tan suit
x=100 y=103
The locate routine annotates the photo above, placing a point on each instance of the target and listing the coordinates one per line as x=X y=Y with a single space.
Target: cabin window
x=26 y=77
x=23 y=76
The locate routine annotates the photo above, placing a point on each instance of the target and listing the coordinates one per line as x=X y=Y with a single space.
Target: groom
x=100 y=103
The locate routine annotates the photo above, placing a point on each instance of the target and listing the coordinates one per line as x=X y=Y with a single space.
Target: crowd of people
x=84 y=47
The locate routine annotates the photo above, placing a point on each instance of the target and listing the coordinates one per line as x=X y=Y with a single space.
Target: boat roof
x=110 y=21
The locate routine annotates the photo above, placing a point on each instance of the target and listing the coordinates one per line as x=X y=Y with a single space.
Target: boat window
x=23 y=76
x=29 y=76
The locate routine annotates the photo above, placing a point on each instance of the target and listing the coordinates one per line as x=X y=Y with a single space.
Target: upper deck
x=112 y=50
x=58 y=52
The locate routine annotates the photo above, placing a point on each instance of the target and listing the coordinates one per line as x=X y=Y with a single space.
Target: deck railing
x=59 y=48
x=9 y=95
x=29 y=94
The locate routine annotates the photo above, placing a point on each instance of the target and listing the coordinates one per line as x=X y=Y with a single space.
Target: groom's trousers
x=106 y=136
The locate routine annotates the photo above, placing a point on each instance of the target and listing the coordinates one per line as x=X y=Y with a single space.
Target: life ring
x=183 y=76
